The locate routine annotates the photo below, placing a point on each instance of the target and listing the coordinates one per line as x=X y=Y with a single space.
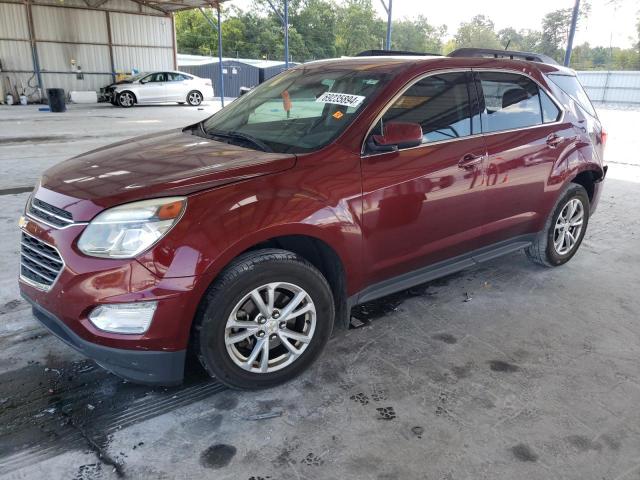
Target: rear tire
x=564 y=230
x=194 y=98
x=232 y=334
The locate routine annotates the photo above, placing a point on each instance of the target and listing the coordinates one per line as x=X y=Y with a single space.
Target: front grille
x=49 y=214
x=39 y=262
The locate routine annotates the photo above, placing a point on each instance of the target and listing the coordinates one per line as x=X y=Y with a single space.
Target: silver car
x=159 y=87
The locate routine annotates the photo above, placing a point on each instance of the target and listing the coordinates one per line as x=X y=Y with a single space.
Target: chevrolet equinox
x=246 y=238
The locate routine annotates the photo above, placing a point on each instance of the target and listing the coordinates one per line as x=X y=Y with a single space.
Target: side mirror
x=396 y=135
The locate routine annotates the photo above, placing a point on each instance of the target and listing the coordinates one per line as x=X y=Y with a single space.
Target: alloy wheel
x=568 y=226
x=126 y=99
x=195 y=98
x=270 y=327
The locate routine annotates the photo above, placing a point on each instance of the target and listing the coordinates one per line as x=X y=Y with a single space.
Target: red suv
x=246 y=238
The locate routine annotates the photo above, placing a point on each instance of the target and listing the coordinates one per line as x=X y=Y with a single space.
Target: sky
x=605 y=25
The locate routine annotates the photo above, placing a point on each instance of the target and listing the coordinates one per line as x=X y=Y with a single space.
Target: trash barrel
x=56 y=99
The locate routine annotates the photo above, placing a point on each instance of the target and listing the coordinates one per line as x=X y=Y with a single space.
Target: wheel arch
x=312 y=248
x=588 y=178
x=322 y=256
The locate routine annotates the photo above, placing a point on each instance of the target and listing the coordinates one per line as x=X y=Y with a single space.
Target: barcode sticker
x=345 y=99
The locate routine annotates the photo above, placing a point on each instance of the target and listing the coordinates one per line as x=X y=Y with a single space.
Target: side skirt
x=440 y=269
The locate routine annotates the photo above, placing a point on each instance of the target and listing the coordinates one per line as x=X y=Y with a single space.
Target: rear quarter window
x=571 y=86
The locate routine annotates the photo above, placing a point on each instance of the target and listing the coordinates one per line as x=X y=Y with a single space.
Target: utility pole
x=572 y=32
x=387 y=8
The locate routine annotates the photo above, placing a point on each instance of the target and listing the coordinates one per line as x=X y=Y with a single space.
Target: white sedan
x=159 y=87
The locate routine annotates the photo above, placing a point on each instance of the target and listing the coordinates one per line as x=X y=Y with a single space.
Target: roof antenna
x=508 y=43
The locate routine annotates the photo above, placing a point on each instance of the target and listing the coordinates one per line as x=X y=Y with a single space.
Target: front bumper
x=139 y=366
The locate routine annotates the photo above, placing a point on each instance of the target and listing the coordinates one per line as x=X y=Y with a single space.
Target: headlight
x=127 y=230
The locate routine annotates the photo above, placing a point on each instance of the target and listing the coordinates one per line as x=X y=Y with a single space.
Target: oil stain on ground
x=445 y=337
x=386 y=305
x=503 y=367
x=524 y=453
x=65 y=406
x=217 y=456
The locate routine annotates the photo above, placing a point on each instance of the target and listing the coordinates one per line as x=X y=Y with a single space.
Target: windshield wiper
x=232 y=135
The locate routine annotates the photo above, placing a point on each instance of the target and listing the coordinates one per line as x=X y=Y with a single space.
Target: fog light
x=131 y=318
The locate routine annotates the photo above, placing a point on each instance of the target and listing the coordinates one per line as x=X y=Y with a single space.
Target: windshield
x=297 y=111
x=137 y=77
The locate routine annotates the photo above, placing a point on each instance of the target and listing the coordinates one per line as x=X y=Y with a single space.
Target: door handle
x=554 y=140
x=470 y=160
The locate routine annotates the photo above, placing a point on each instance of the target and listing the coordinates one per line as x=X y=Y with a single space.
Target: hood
x=157 y=165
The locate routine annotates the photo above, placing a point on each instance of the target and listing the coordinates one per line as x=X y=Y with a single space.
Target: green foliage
x=358 y=27
x=479 y=32
x=555 y=30
x=417 y=35
x=329 y=28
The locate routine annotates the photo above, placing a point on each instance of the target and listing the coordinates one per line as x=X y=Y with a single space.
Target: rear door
x=425 y=204
x=524 y=138
x=176 y=87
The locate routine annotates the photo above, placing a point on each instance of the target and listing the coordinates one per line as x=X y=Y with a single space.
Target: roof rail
x=510 y=54
x=402 y=53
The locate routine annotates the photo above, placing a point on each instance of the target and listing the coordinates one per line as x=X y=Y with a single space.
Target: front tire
x=126 y=99
x=194 y=98
x=564 y=230
x=264 y=321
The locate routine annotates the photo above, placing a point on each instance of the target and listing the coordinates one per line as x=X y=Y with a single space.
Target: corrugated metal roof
x=143 y=59
x=16 y=55
x=56 y=57
x=177 y=5
x=141 y=31
x=69 y=82
x=13 y=21
x=69 y=24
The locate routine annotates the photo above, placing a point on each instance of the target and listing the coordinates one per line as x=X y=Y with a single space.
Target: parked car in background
x=160 y=87
x=247 y=237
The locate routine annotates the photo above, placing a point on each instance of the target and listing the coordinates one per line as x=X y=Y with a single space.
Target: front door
x=425 y=204
x=154 y=88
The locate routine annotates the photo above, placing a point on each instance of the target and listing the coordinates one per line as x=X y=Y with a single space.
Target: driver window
x=442 y=106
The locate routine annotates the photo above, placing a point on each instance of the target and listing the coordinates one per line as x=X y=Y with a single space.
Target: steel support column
x=388 y=9
x=34 y=50
x=220 y=55
x=572 y=32
x=217 y=28
x=110 y=44
x=286 y=34
x=284 y=19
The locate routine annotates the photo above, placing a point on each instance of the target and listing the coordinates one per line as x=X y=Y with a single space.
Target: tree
x=194 y=34
x=417 y=35
x=315 y=21
x=357 y=27
x=479 y=32
x=524 y=40
x=555 y=30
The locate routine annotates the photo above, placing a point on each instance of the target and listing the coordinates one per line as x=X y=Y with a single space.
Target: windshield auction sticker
x=341 y=99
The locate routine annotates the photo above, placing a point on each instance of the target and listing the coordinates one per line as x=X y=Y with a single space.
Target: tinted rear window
x=571 y=86
x=510 y=101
